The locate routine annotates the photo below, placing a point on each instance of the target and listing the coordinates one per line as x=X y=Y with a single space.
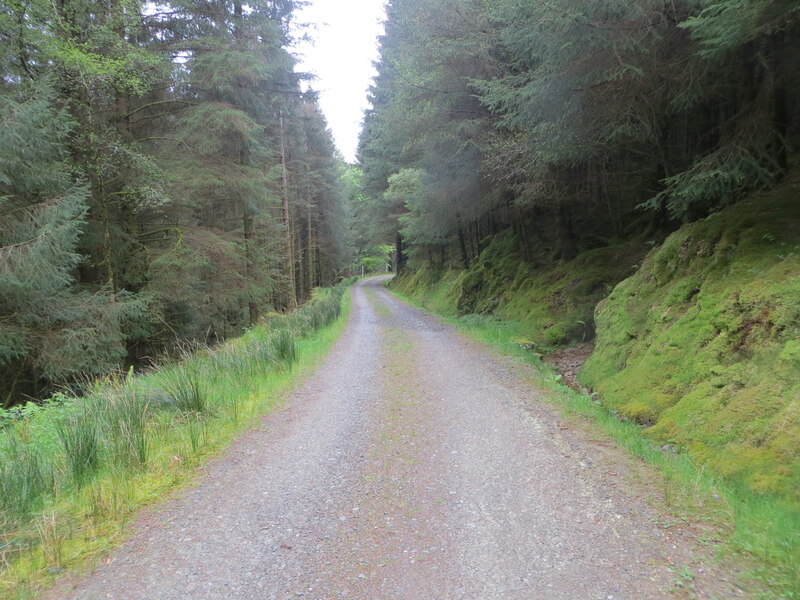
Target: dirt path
x=413 y=465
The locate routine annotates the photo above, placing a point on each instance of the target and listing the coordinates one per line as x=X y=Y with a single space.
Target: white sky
x=344 y=48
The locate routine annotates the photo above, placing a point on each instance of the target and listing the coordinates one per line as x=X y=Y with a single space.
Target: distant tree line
x=574 y=122
x=163 y=178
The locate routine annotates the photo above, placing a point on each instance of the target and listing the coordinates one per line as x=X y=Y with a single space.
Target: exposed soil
x=568 y=362
x=413 y=465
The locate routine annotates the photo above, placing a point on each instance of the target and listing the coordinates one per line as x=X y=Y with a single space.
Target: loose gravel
x=413 y=465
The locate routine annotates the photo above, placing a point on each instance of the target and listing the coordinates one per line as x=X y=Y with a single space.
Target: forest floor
x=415 y=463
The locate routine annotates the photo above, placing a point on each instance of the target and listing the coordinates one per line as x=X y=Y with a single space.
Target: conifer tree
x=575 y=123
x=166 y=118
x=51 y=328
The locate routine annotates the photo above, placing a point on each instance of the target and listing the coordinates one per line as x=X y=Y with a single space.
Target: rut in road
x=412 y=465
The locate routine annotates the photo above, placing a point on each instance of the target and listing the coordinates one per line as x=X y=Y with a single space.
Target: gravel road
x=413 y=465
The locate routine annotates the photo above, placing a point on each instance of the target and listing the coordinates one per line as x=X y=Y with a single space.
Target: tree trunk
x=566 y=248
x=399 y=258
x=287 y=223
x=780 y=104
x=310 y=266
x=462 y=244
x=248 y=224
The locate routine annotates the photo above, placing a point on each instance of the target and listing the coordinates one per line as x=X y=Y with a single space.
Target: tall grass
x=25 y=478
x=80 y=440
x=128 y=418
x=71 y=472
x=283 y=347
x=184 y=390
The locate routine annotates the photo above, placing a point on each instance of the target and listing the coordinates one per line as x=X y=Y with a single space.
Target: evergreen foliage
x=575 y=124
x=163 y=178
x=52 y=328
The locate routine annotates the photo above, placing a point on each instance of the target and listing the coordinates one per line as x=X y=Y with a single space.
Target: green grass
x=81 y=446
x=283 y=347
x=763 y=529
x=74 y=471
x=184 y=390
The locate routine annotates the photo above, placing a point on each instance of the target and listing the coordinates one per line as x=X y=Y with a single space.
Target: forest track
x=414 y=464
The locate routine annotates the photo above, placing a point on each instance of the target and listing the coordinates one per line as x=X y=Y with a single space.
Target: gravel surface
x=415 y=465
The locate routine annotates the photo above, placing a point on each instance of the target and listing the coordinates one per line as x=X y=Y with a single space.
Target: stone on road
x=413 y=465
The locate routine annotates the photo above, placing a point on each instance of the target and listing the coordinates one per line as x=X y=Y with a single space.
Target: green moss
x=701 y=344
x=704 y=341
x=791 y=352
x=550 y=306
x=638 y=411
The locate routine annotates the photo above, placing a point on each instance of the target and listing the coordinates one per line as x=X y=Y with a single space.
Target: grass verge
x=762 y=528
x=75 y=470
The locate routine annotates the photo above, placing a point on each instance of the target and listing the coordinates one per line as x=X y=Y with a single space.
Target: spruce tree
x=52 y=330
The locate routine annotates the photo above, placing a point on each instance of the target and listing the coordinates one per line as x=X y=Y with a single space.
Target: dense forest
x=614 y=174
x=607 y=191
x=164 y=176
x=574 y=123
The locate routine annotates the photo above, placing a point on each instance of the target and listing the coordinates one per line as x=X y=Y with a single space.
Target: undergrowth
x=74 y=470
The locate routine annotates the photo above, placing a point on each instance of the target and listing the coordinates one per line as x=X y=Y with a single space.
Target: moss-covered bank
x=699 y=342
x=549 y=305
x=702 y=343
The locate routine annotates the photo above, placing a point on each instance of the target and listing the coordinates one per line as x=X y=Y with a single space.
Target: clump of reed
x=74 y=462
